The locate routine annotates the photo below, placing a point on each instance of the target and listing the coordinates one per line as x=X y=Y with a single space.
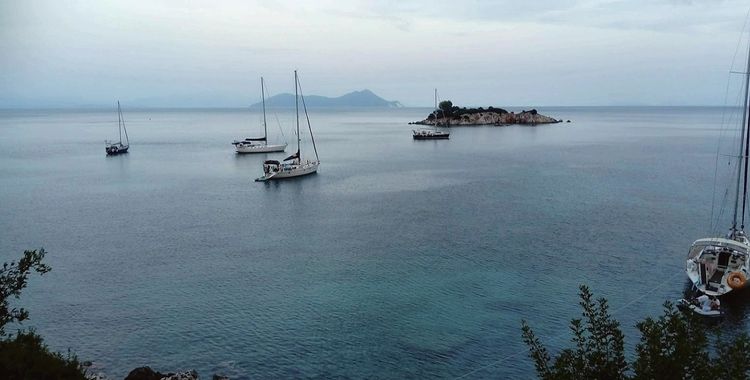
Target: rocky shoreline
x=146 y=373
x=455 y=116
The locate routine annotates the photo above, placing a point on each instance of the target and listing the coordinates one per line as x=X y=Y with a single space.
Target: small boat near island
x=718 y=265
x=705 y=308
x=259 y=144
x=431 y=133
x=296 y=167
x=115 y=148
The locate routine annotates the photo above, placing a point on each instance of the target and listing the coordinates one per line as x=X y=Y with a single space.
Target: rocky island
x=449 y=115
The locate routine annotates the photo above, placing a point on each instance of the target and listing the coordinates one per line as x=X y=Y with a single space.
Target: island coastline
x=449 y=115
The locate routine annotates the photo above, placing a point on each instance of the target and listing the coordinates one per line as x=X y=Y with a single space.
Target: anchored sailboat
x=716 y=266
x=295 y=167
x=115 y=148
x=431 y=134
x=259 y=144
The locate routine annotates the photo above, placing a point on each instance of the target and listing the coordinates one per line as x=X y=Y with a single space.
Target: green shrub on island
x=673 y=346
x=24 y=355
x=446 y=109
x=446 y=106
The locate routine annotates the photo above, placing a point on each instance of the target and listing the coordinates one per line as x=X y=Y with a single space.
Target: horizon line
x=105 y=107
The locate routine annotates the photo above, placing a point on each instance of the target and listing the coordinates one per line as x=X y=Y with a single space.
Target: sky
x=179 y=53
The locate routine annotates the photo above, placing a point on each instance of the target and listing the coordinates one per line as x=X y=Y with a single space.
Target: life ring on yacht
x=736 y=280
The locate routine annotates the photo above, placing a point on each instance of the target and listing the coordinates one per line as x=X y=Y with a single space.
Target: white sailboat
x=114 y=148
x=259 y=144
x=293 y=166
x=431 y=133
x=719 y=265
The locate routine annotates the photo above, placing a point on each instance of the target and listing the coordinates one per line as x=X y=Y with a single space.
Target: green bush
x=24 y=355
x=446 y=106
x=598 y=352
x=13 y=279
x=673 y=346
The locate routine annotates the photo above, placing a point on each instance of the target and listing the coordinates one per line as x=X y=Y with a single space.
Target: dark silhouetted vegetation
x=599 y=346
x=13 y=279
x=446 y=106
x=24 y=354
x=673 y=346
x=447 y=109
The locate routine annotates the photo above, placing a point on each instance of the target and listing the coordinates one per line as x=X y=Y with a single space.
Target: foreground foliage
x=24 y=355
x=673 y=346
x=13 y=279
x=598 y=352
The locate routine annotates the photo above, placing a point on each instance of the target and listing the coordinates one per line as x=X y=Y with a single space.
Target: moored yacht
x=294 y=165
x=431 y=133
x=256 y=145
x=719 y=265
x=274 y=169
x=114 y=148
x=259 y=144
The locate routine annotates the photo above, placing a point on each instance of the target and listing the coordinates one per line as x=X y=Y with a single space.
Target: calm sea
x=400 y=259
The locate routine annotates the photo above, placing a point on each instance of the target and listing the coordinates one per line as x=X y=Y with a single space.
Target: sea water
x=398 y=259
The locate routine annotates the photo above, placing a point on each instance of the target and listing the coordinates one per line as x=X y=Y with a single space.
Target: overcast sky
x=502 y=53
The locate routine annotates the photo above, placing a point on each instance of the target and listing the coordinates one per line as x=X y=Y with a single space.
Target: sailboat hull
x=290 y=171
x=113 y=150
x=432 y=137
x=259 y=148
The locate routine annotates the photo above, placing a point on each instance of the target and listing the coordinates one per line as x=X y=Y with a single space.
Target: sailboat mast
x=747 y=138
x=743 y=144
x=436 y=109
x=296 y=107
x=119 y=121
x=263 y=99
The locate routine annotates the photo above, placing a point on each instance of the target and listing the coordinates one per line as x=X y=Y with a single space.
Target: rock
x=96 y=376
x=144 y=373
x=220 y=377
x=188 y=375
x=568 y=121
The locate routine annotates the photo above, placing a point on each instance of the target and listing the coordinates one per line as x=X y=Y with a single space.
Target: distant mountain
x=364 y=98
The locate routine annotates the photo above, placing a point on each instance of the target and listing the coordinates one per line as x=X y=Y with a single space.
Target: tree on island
x=24 y=355
x=674 y=346
x=446 y=106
